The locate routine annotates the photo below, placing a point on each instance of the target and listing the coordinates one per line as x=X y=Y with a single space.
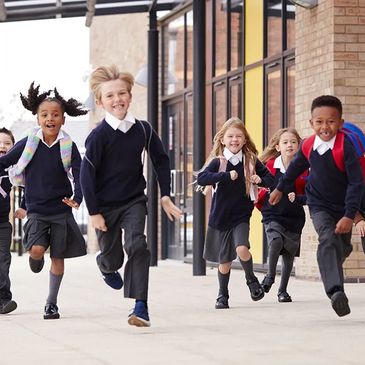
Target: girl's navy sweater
x=46 y=182
x=328 y=189
x=230 y=203
x=112 y=169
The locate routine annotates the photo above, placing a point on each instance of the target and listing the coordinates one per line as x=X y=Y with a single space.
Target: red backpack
x=356 y=137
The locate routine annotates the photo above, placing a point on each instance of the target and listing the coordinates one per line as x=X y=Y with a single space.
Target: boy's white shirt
x=123 y=125
x=59 y=136
x=323 y=146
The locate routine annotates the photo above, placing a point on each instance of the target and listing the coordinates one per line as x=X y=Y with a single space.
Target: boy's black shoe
x=256 y=290
x=284 y=297
x=7 y=306
x=36 y=265
x=340 y=303
x=113 y=279
x=267 y=283
x=51 y=311
x=221 y=302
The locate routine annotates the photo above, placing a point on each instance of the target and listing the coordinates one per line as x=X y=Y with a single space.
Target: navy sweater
x=5 y=202
x=230 y=203
x=290 y=215
x=112 y=170
x=328 y=189
x=46 y=182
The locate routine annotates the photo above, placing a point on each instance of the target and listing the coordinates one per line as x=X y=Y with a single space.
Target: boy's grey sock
x=248 y=268
x=287 y=266
x=274 y=252
x=223 y=280
x=54 y=286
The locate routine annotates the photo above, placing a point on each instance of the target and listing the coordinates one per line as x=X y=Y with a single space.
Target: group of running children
x=110 y=178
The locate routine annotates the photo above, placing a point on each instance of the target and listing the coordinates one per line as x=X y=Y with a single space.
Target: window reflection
x=291 y=95
x=273 y=103
x=236 y=100
x=220 y=105
x=189 y=49
x=220 y=38
x=290 y=28
x=274 y=33
x=236 y=33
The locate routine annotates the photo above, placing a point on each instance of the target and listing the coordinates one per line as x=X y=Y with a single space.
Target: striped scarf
x=16 y=172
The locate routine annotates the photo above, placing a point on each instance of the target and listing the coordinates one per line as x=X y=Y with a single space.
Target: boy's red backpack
x=355 y=135
x=299 y=184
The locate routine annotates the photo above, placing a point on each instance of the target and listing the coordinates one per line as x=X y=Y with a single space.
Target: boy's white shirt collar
x=323 y=146
x=59 y=136
x=234 y=159
x=278 y=164
x=123 y=125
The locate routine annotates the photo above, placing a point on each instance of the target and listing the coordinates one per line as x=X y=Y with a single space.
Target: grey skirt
x=291 y=240
x=59 y=232
x=220 y=246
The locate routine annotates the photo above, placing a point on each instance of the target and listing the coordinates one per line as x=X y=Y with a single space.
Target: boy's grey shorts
x=220 y=246
x=59 y=232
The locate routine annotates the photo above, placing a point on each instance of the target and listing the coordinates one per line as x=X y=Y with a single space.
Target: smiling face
x=5 y=143
x=50 y=117
x=288 y=145
x=115 y=98
x=234 y=139
x=326 y=122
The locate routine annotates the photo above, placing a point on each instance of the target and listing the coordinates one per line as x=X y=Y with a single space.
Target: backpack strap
x=147 y=140
x=222 y=164
x=307 y=146
x=270 y=166
x=337 y=151
x=66 y=152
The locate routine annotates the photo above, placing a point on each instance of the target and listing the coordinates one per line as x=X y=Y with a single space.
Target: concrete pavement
x=186 y=329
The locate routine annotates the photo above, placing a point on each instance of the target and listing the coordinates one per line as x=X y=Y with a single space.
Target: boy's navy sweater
x=112 y=170
x=328 y=189
x=5 y=202
x=46 y=182
x=230 y=203
x=290 y=215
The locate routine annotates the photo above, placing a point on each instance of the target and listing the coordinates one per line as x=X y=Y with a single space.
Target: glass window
x=273 y=103
x=209 y=39
x=236 y=33
x=290 y=27
x=220 y=105
x=274 y=29
x=189 y=49
x=290 y=91
x=220 y=37
x=236 y=97
x=174 y=37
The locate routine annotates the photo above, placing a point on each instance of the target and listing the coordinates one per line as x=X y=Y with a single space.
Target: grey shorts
x=291 y=240
x=220 y=246
x=58 y=232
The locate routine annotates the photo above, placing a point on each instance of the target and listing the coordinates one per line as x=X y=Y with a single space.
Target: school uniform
x=231 y=207
x=50 y=222
x=331 y=195
x=113 y=185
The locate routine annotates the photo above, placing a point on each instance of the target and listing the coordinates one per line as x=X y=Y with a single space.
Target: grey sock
x=54 y=286
x=287 y=266
x=248 y=268
x=223 y=280
x=275 y=248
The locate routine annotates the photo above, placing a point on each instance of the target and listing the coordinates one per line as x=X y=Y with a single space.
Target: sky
x=53 y=53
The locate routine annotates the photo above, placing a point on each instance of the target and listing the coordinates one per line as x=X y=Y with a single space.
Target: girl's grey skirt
x=59 y=232
x=220 y=246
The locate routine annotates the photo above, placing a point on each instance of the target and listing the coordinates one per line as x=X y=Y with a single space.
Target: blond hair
x=270 y=151
x=248 y=149
x=109 y=73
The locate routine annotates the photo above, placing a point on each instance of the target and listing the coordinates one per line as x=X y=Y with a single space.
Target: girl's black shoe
x=284 y=297
x=51 y=311
x=267 y=283
x=256 y=290
x=222 y=302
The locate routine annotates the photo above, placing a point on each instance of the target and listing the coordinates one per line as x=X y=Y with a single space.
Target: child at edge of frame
x=45 y=162
x=332 y=197
x=113 y=186
x=234 y=171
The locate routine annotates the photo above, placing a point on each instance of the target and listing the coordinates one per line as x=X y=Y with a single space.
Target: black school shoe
x=267 y=283
x=51 y=311
x=284 y=297
x=36 y=265
x=256 y=290
x=222 y=302
x=340 y=303
x=7 y=306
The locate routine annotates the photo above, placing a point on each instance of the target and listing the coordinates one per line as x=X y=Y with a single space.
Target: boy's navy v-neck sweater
x=46 y=182
x=230 y=203
x=5 y=202
x=112 y=169
x=328 y=189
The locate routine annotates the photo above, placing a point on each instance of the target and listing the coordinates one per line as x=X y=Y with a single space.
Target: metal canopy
x=18 y=10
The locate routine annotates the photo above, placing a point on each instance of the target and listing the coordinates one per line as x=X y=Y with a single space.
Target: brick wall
x=330 y=59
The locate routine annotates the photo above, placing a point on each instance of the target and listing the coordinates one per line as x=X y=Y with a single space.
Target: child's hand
x=344 y=225
x=20 y=213
x=70 y=202
x=171 y=210
x=360 y=226
x=98 y=222
x=291 y=197
x=275 y=197
x=234 y=174
x=255 y=179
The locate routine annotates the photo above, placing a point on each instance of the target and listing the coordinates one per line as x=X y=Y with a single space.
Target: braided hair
x=34 y=100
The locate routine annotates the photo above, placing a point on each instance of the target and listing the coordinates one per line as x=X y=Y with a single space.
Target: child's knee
x=242 y=250
x=37 y=251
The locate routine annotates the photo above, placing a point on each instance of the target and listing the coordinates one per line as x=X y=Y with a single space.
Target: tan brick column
x=330 y=59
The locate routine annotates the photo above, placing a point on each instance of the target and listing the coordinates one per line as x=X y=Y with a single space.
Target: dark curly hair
x=34 y=100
